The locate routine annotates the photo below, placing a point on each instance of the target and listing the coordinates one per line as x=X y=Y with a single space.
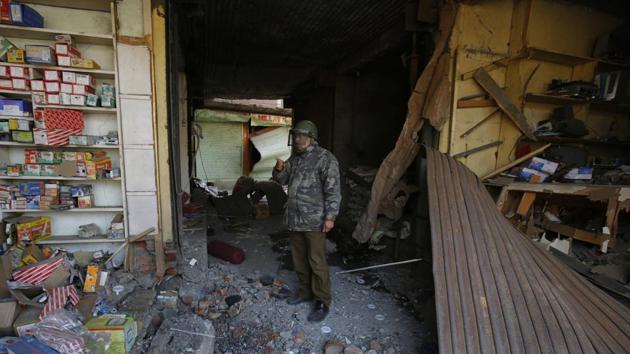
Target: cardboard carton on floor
x=26 y=320
x=9 y=310
x=122 y=328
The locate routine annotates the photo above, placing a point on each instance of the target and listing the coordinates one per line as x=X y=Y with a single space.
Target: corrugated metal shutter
x=220 y=155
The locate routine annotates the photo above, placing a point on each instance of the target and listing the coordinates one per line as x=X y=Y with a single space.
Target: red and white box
x=69 y=77
x=38 y=85
x=52 y=75
x=63 y=60
x=66 y=88
x=52 y=86
x=21 y=84
x=54 y=137
x=77 y=100
x=66 y=49
x=85 y=79
x=6 y=84
x=18 y=72
x=4 y=71
x=78 y=89
x=53 y=98
x=66 y=99
x=59 y=119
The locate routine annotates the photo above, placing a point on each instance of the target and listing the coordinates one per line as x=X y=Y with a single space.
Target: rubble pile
x=358 y=181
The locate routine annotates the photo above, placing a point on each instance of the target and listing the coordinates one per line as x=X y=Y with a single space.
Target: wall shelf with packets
x=66 y=65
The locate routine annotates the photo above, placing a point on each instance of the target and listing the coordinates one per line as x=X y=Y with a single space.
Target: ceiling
x=254 y=48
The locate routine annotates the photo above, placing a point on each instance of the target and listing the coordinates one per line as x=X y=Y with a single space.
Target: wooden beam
x=210 y=103
x=504 y=102
x=477 y=149
x=475 y=103
x=569 y=231
x=516 y=162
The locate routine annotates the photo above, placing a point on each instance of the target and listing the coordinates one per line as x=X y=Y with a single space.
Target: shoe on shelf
x=319 y=312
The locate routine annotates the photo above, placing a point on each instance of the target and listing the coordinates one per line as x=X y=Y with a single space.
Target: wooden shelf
x=561 y=140
x=551 y=99
x=49 y=34
x=611 y=107
x=87 y=147
x=97 y=73
x=15 y=93
x=555 y=57
x=92 y=5
x=57 y=178
x=74 y=210
x=58 y=240
x=79 y=108
x=16 y=117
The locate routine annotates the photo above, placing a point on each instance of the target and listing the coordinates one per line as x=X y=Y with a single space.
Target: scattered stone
x=266 y=280
x=333 y=347
x=299 y=338
x=235 y=310
x=375 y=345
x=371 y=351
x=352 y=350
x=285 y=334
x=231 y=300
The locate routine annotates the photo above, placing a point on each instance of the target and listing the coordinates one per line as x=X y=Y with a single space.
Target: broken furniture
x=613 y=199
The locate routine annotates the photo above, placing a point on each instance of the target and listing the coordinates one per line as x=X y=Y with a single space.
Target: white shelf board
x=74 y=210
x=78 y=108
x=15 y=93
x=49 y=34
x=16 y=117
x=57 y=178
x=97 y=73
x=58 y=240
x=26 y=145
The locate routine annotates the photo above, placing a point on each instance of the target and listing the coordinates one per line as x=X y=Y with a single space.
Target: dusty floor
x=364 y=313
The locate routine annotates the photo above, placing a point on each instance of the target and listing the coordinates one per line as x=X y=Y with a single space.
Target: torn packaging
x=498 y=292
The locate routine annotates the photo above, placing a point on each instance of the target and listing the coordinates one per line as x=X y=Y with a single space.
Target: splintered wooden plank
x=526 y=203
x=503 y=101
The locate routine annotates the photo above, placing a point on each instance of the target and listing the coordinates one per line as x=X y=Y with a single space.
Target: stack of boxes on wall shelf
x=56 y=101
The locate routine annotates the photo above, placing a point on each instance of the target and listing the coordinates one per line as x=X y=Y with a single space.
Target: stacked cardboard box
x=39 y=195
x=15 y=78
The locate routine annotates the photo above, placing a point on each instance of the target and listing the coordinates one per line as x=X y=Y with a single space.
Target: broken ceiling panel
x=496 y=292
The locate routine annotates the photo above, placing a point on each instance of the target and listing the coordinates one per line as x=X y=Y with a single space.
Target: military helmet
x=305 y=127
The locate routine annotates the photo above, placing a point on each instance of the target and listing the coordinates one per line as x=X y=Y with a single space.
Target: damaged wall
x=483 y=34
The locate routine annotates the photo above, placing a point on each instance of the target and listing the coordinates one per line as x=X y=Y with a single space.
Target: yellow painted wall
x=482 y=35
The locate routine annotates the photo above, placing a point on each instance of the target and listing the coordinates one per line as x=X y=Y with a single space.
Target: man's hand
x=328 y=225
x=279 y=165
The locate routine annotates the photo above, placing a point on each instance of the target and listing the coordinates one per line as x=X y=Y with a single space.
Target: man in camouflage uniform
x=314 y=196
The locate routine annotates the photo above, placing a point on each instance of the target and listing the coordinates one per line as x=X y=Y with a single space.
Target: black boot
x=297 y=299
x=320 y=311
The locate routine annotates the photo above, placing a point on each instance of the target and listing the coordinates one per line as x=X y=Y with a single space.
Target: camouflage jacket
x=314 y=188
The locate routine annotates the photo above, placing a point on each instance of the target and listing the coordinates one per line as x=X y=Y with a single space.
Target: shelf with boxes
x=61 y=103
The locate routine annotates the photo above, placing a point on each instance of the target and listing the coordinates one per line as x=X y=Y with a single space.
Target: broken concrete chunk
x=333 y=347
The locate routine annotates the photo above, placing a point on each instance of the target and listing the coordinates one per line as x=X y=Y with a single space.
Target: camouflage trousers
x=308 y=249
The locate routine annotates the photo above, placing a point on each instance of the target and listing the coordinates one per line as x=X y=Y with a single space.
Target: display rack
x=109 y=193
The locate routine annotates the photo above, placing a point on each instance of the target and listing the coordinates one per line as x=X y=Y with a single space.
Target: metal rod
x=193 y=333
x=380 y=266
x=476 y=125
x=477 y=149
